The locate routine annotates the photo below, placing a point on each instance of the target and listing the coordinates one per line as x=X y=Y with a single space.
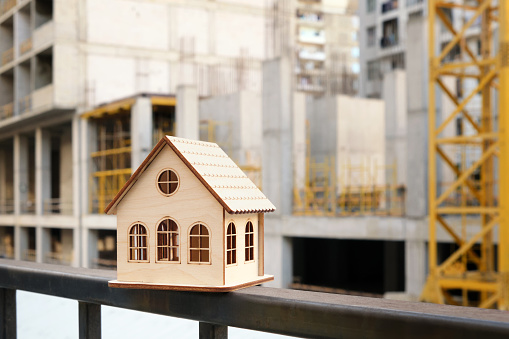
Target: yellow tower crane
x=469 y=276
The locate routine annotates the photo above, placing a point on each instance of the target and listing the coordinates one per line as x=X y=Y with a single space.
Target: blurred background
x=372 y=125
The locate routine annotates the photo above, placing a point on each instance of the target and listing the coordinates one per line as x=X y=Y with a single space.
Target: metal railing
x=7 y=56
x=57 y=206
x=289 y=312
x=6 y=111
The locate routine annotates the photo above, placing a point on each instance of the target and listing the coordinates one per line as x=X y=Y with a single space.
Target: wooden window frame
x=231 y=244
x=249 y=237
x=170 y=245
x=200 y=249
x=137 y=238
x=158 y=181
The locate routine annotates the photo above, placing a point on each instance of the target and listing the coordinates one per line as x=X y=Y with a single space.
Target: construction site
x=376 y=130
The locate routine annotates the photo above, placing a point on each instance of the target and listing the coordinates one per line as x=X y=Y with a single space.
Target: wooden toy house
x=189 y=219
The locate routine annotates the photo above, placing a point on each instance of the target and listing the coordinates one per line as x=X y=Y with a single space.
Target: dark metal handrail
x=290 y=312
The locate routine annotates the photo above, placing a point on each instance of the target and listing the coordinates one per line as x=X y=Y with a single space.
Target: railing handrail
x=289 y=312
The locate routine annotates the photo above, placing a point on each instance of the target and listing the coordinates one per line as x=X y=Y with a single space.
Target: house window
x=231 y=244
x=199 y=244
x=167 y=241
x=167 y=182
x=249 y=242
x=138 y=244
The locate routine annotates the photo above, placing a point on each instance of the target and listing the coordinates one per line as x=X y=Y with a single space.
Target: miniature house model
x=189 y=219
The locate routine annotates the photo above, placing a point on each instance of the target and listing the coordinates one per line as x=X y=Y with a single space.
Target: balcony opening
x=59 y=198
x=163 y=122
x=390 y=5
x=7 y=242
x=58 y=246
x=44 y=69
x=27 y=175
x=7 y=94
x=27 y=243
x=23 y=85
x=349 y=266
x=103 y=249
x=6 y=41
x=6 y=177
x=390 y=35
x=43 y=12
x=24 y=30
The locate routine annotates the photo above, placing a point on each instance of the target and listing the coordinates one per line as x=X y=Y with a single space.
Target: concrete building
x=74 y=119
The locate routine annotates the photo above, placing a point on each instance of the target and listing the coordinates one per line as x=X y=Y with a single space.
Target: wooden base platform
x=193 y=288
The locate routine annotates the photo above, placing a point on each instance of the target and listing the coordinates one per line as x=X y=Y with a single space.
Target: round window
x=167 y=182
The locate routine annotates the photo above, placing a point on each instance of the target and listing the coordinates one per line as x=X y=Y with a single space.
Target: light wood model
x=189 y=219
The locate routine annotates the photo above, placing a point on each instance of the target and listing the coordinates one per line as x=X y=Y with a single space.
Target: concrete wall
x=349 y=129
x=394 y=95
x=240 y=130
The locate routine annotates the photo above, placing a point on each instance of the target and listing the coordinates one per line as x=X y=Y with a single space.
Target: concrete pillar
x=415 y=266
x=277 y=105
x=417 y=99
x=278 y=258
x=42 y=238
x=394 y=94
x=3 y=180
x=17 y=242
x=141 y=131
x=187 y=118
x=20 y=171
x=42 y=169
x=66 y=171
x=299 y=139
x=87 y=145
x=76 y=173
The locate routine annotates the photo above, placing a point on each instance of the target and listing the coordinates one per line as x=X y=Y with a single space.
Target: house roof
x=217 y=172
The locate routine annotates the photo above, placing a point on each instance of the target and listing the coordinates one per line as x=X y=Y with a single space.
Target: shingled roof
x=217 y=172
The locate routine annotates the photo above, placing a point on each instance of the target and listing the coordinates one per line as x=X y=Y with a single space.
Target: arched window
x=168 y=241
x=199 y=251
x=167 y=182
x=249 y=251
x=231 y=244
x=138 y=244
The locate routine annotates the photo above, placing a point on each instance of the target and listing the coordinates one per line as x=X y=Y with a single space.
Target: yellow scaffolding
x=469 y=276
x=111 y=161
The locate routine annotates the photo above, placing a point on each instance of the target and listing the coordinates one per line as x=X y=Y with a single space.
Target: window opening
x=167 y=182
x=168 y=241
x=138 y=245
x=249 y=251
x=199 y=244
x=231 y=244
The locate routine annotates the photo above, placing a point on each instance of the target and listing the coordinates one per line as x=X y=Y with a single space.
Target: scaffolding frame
x=490 y=284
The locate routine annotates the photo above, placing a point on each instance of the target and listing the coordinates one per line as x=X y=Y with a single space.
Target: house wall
x=241 y=271
x=191 y=203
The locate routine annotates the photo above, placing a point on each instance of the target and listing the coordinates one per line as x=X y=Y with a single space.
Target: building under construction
x=354 y=180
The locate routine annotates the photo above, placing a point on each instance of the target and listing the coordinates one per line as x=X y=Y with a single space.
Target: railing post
x=212 y=331
x=89 y=320
x=7 y=313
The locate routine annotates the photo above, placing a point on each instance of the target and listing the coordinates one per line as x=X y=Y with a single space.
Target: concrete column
x=76 y=173
x=278 y=258
x=277 y=105
x=187 y=117
x=42 y=169
x=394 y=95
x=141 y=131
x=417 y=141
x=3 y=179
x=42 y=238
x=87 y=145
x=17 y=242
x=415 y=266
x=299 y=139
x=20 y=171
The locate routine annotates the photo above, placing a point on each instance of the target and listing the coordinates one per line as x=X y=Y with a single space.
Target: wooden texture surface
x=193 y=288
